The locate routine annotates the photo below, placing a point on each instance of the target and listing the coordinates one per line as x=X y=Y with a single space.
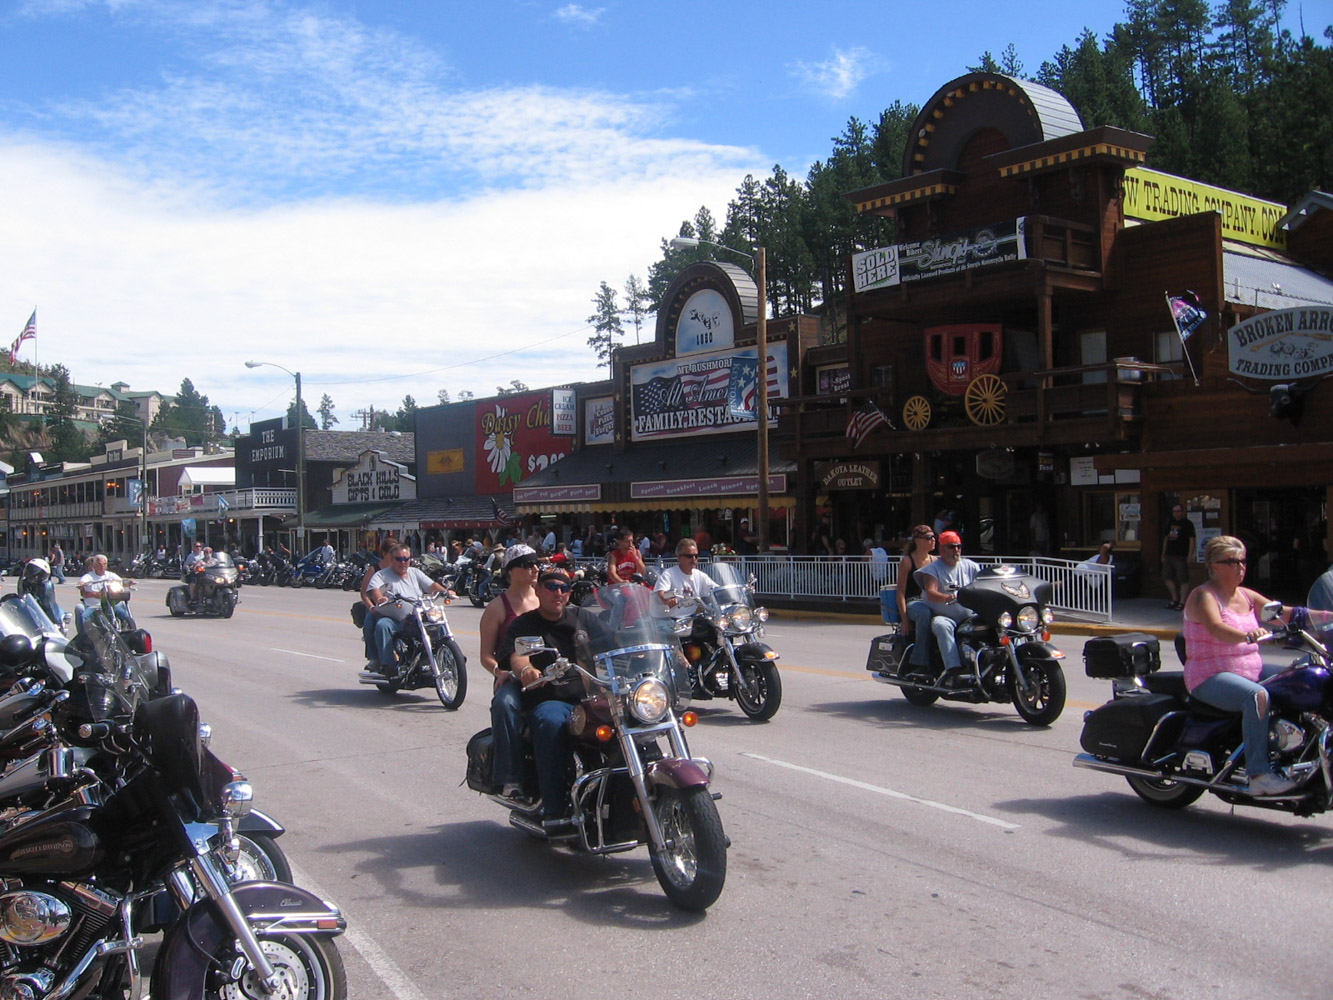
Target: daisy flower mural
x=499 y=445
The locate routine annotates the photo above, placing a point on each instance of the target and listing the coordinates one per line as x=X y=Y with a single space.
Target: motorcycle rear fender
x=183 y=962
x=677 y=772
x=755 y=652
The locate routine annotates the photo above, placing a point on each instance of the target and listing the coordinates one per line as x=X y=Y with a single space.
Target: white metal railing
x=1075 y=587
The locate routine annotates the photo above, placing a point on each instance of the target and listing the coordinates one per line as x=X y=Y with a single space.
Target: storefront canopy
x=345 y=515
x=448 y=513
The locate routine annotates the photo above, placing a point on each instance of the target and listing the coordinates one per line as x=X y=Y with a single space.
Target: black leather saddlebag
x=1119 y=730
x=480 y=759
x=886 y=651
x=1133 y=654
x=359 y=612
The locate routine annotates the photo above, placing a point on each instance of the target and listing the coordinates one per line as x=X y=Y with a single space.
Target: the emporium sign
x=1283 y=344
x=902 y=263
x=703 y=393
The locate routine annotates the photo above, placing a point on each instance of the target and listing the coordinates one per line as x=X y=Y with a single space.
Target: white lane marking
x=880 y=790
x=380 y=963
x=313 y=656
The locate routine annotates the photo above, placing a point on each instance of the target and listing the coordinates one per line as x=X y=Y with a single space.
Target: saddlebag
x=480 y=760
x=359 y=612
x=1133 y=654
x=886 y=652
x=1119 y=730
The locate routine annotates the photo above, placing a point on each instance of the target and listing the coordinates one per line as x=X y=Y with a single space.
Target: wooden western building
x=1019 y=335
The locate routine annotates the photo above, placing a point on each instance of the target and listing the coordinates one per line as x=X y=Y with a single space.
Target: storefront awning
x=448 y=513
x=345 y=515
x=693 y=474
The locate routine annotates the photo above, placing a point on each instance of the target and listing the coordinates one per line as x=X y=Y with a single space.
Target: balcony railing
x=232 y=502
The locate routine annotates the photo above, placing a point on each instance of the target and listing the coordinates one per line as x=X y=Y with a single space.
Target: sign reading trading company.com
x=1282 y=344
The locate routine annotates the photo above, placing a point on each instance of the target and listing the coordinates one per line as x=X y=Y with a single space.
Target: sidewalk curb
x=1163 y=633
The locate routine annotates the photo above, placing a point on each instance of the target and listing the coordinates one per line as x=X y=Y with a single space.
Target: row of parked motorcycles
x=117 y=822
x=1170 y=748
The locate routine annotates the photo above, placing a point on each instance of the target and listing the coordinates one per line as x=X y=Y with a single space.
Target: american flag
x=743 y=395
x=29 y=333
x=503 y=519
x=705 y=387
x=864 y=419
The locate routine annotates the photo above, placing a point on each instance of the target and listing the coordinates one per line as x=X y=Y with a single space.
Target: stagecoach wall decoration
x=962 y=360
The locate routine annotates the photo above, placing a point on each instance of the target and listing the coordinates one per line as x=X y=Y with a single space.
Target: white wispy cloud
x=839 y=75
x=302 y=189
x=577 y=14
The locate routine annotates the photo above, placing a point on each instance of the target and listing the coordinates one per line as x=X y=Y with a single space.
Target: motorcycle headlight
x=1047 y=616
x=1028 y=619
x=649 y=701
x=761 y=614
x=434 y=613
x=1005 y=619
x=742 y=619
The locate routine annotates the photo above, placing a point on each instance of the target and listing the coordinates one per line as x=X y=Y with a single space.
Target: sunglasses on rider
x=402 y=558
x=556 y=587
x=688 y=555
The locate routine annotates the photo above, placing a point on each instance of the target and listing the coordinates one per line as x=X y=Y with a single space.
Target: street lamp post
x=300 y=450
x=760 y=259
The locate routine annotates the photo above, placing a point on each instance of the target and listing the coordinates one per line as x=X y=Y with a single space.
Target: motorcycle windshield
x=114 y=680
x=24 y=616
x=626 y=632
x=733 y=586
x=223 y=559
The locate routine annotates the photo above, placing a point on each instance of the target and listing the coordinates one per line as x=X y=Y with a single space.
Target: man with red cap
x=938 y=612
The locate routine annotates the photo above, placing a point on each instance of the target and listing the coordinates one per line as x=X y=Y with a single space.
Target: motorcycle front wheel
x=310 y=967
x=1164 y=793
x=763 y=679
x=1045 y=701
x=260 y=860
x=227 y=604
x=450 y=675
x=693 y=868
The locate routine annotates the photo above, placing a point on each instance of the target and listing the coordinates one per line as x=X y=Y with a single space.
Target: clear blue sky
x=384 y=194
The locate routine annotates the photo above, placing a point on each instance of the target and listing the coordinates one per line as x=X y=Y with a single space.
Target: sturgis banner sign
x=906 y=262
x=703 y=393
x=1282 y=344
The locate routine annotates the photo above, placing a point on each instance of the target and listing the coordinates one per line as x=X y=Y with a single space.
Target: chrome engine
x=1284 y=736
x=44 y=928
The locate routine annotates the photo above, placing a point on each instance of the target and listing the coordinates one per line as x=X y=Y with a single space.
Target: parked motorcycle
x=1172 y=748
x=588 y=577
x=131 y=822
x=632 y=778
x=428 y=656
x=138 y=567
x=1004 y=646
x=724 y=649
x=214 y=591
x=485 y=585
x=35 y=580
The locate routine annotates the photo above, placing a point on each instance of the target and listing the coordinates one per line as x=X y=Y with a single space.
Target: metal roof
x=1271 y=282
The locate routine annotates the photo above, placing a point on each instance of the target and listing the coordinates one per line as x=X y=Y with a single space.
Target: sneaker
x=513 y=791
x=1270 y=784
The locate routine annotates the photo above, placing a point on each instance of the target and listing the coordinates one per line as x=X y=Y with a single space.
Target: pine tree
x=325 y=411
x=638 y=304
x=605 y=321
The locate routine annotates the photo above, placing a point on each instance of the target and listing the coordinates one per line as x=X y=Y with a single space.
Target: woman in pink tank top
x=1223 y=667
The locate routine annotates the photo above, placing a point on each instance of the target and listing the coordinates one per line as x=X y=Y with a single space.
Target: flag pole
x=1184 y=346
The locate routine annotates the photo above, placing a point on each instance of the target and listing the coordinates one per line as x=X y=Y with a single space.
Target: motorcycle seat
x=1202 y=710
x=1170 y=682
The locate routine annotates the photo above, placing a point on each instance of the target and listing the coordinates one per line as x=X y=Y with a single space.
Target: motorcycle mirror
x=1271 y=611
x=526 y=645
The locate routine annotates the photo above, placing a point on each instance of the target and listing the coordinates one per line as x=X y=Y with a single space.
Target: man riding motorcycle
x=938 y=613
x=91 y=587
x=685 y=579
x=402 y=579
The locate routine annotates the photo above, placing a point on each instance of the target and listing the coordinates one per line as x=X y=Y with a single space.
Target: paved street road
x=879 y=850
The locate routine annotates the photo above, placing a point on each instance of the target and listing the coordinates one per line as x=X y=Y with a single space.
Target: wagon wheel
x=916 y=413
x=984 y=400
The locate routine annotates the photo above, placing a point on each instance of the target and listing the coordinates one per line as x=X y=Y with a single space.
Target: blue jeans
x=506 y=731
x=550 y=746
x=86 y=611
x=937 y=622
x=1233 y=693
x=368 y=635
x=385 y=629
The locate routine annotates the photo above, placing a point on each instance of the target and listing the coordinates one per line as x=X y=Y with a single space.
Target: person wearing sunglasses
x=548 y=706
x=521 y=568
x=938 y=613
x=918 y=553
x=1223 y=667
x=685 y=579
x=401 y=579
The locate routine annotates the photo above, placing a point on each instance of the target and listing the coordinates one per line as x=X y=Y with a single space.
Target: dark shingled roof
x=345 y=446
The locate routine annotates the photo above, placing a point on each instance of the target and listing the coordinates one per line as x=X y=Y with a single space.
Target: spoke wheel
x=916 y=413
x=310 y=968
x=984 y=400
x=260 y=860
x=450 y=674
x=693 y=867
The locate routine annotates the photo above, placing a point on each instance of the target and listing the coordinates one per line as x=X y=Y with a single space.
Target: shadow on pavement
x=892 y=711
x=1117 y=821
x=366 y=696
x=491 y=865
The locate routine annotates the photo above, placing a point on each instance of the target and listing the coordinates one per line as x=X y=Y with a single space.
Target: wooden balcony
x=1060 y=406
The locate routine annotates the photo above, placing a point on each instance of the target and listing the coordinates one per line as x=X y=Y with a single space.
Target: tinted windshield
x=732 y=583
x=115 y=681
x=222 y=559
x=24 y=616
x=627 y=632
